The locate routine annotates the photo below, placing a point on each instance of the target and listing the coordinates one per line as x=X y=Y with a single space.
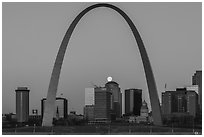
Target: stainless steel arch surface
x=52 y=90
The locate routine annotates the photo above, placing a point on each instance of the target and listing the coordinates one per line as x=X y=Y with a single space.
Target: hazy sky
x=102 y=45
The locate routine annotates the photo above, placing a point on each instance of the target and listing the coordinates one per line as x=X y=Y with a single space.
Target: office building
x=89 y=96
x=180 y=101
x=89 y=112
x=89 y=104
x=102 y=107
x=22 y=104
x=133 y=101
x=197 y=80
x=166 y=102
x=61 y=107
x=114 y=88
x=192 y=103
x=174 y=101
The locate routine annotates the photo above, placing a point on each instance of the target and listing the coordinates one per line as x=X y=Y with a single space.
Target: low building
x=144 y=114
x=89 y=112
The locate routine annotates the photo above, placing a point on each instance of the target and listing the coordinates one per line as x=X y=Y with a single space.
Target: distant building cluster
x=104 y=105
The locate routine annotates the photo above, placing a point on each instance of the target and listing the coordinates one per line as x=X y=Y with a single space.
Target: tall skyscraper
x=114 y=88
x=22 y=104
x=61 y=107
x=102 y=107
x=133 y=101
x=197 y=80
x=179 y=101
x=89 y=96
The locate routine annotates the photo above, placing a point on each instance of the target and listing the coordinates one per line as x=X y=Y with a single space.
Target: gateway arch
x=52 y=90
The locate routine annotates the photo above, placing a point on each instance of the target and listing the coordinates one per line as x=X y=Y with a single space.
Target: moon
x=109 y=78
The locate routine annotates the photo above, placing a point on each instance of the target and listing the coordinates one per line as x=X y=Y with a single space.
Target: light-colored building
x=193 y=88
x=89 y=96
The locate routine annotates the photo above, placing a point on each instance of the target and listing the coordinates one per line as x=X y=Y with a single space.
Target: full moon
x=109 y=78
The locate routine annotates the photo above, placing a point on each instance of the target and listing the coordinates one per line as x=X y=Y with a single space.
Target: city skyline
x=34 y=70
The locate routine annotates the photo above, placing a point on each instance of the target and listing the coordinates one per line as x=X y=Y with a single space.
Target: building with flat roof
x=22 y=104
x=133 y=101
x=192 y=103
x=102 y=107
x=197 y=80
x=89 y=112
x=180 y=101
x=89 y=96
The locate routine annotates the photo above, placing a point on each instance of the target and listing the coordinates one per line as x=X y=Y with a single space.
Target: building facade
x=166 y=102
x=22 y=104
x=89 y=112
x=61 y=107
x=89 y=96
x=102 y=107
x=133 y=101
x=114 y=88
x=192 y=103
x=180 y=101
x=197 y=80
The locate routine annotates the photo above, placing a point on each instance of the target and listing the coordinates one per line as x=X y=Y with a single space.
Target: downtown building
x=181 y=101
x=22 y=104
x=116 y=102
x=197 y=80
x=103 y=104
x=89 y=104
x=61 y=108
x=133 y=101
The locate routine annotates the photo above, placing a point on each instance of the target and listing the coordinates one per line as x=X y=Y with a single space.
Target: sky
x=101 y=45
